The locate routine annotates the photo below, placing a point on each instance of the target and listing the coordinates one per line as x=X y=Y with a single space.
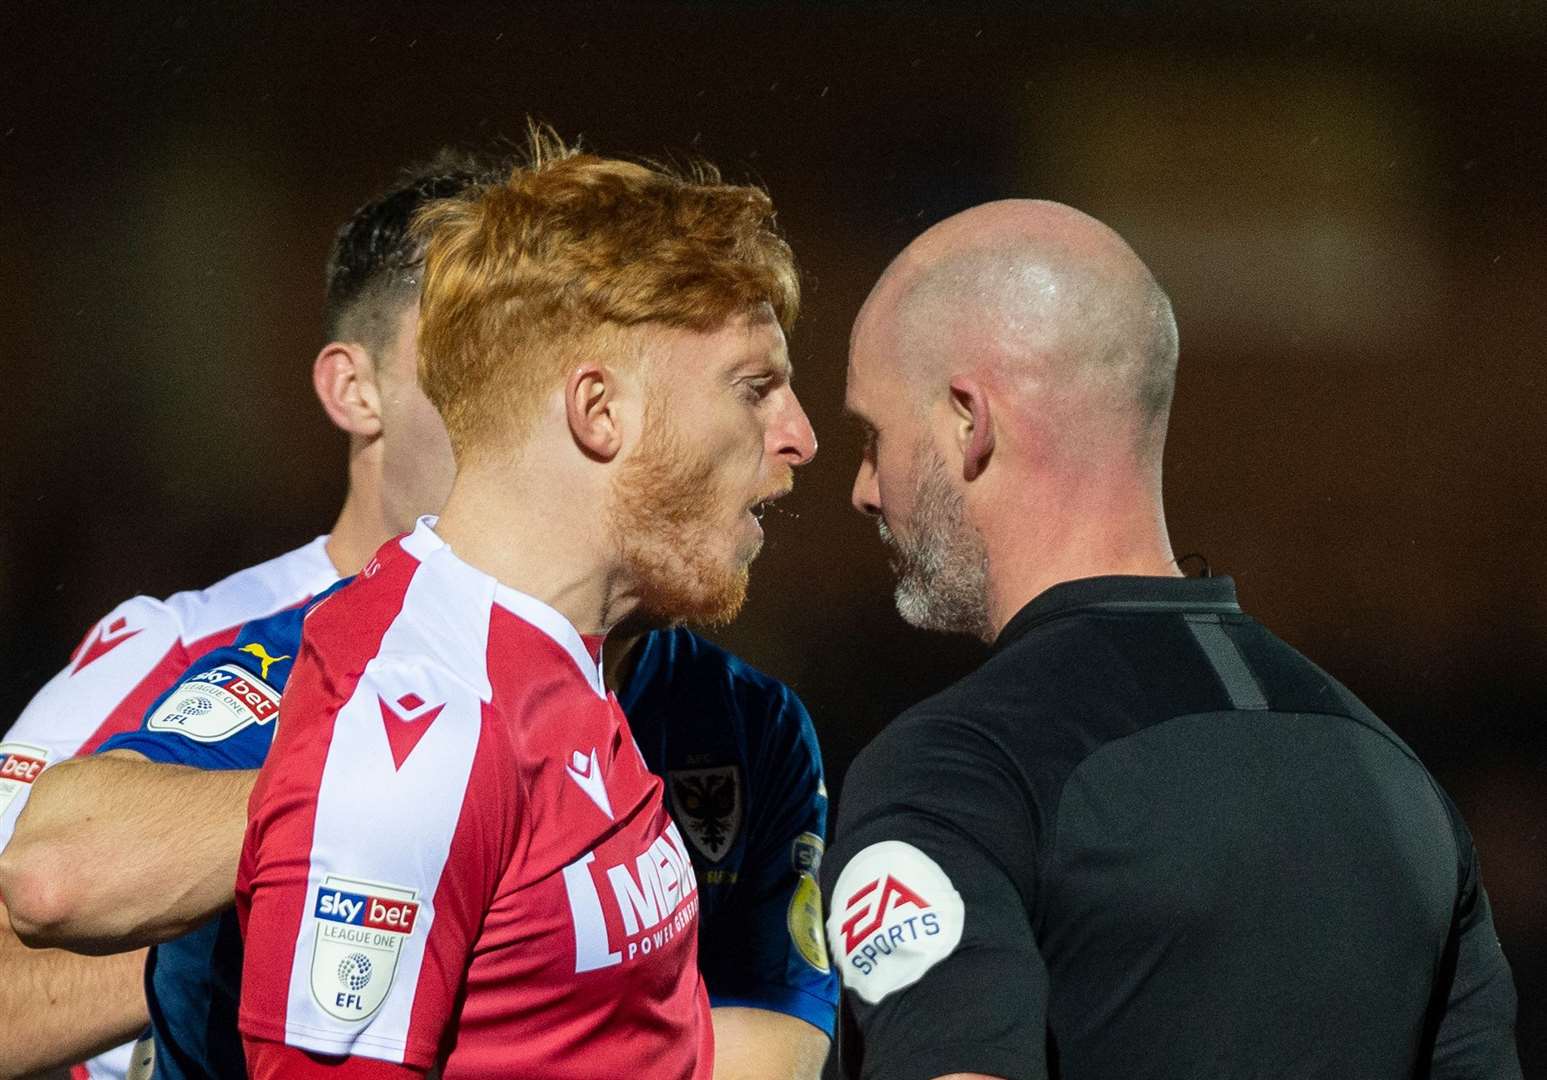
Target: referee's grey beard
x=941 y=563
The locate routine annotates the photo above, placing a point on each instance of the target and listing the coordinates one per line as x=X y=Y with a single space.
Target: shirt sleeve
x=1476 y=1002
x=764 y=949
x=927 y=889
x=221 y=713
x=376 y=835
x=122 y=664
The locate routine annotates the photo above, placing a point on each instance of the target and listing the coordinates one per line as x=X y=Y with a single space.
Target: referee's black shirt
x=1149 y=839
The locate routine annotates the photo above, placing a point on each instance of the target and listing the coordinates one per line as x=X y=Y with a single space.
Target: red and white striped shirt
x=455 y=854
x=126 y=661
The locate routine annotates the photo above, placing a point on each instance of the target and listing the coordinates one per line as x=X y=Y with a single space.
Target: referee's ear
x=345 y=381
x=974 y=427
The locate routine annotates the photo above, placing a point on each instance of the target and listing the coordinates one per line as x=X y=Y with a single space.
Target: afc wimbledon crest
x=361 y=927
x=709 y=806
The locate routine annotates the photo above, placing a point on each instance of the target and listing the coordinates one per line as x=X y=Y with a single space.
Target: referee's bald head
x=1012 y=372
x=1049 y=305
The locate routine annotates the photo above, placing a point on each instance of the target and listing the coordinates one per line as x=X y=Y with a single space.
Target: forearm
x=114 y=852
x=58 y=1009
x=758 y=1044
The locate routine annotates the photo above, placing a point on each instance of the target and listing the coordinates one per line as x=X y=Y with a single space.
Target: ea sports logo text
x=868 y=908
x=885 y=917
x=895 y=916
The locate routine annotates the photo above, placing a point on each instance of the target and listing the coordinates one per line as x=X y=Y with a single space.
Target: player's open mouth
x=760 y=506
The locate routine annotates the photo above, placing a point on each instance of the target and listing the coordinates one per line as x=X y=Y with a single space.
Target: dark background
x=1347 y=201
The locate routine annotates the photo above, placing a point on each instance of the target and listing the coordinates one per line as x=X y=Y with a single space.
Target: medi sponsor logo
x=653 y=895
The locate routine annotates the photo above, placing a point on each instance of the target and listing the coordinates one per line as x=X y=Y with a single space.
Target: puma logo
x=264 y=659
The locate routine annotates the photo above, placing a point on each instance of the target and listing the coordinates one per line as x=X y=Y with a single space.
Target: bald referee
x=1146 y=838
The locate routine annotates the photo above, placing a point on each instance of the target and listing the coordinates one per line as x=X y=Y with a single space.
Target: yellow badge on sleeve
x=805 y=923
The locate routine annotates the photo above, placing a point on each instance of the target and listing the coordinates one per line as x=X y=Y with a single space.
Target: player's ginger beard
x=664 y=515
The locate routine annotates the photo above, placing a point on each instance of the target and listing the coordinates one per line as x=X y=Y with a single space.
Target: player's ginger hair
x=527 y=277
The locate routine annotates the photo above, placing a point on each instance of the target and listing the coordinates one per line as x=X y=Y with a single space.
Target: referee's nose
x=866 y=494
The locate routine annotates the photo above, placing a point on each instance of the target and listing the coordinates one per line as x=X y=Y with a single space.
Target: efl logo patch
x=216 y=705
x=361 y=927
x=895 y=916
x=707 y=804
x=20 y=764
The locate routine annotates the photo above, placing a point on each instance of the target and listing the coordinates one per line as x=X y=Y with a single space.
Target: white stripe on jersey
x=423 y=544
x=376 y=822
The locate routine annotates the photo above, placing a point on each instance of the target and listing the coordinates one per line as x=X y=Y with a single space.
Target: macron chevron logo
x=103 y=640
x=405 y=729
x=587 y=772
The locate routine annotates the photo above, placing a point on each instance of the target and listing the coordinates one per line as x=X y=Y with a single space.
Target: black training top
x=1149 y=839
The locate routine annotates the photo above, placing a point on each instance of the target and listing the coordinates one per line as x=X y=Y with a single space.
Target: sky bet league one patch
x=895 y=915
x=361 y=927
x=216 y=705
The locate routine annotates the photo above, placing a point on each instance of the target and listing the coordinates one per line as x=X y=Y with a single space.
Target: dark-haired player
x=737 y=750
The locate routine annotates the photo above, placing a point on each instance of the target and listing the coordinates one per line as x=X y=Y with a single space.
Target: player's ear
x=972 y=425
x=345 y=380
x=591 y=407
